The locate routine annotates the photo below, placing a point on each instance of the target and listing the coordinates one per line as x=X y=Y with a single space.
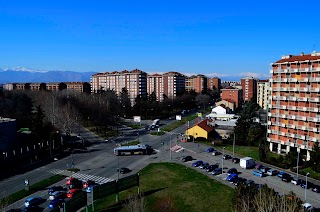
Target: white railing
x=292 y=80
x=314 y=89
x=291 y=107
x=301 y=118
x=317 y=79
x=313 y=99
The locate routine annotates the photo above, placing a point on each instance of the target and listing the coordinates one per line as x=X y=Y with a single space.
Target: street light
x=222 y=158
x=234 y=141
x=138 y=137
x=298 y=150
x=305 y=188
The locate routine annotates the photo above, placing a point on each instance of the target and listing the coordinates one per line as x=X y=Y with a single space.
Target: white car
x=307 y=206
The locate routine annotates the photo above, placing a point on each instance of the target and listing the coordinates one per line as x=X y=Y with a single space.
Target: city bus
x=140 y=149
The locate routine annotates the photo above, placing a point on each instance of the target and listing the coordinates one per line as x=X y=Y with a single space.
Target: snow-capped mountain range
x=21 y=75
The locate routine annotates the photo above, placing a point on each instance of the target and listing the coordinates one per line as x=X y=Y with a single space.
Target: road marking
x=55 y=171
x=97 y=179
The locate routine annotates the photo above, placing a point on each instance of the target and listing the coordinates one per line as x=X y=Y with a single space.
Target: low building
x=219 y=110
x=203 y=129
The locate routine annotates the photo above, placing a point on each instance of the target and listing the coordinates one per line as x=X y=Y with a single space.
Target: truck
x=247 y=163
x=155 y=123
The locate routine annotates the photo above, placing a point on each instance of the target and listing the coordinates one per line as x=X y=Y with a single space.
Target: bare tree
x=135 y=203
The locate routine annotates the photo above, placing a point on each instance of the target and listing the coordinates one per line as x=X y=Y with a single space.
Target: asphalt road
x=101 y=163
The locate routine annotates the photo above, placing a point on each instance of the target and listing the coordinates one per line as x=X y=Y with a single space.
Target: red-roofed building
x=293 y=118
x=232 y=94
x=202 y=129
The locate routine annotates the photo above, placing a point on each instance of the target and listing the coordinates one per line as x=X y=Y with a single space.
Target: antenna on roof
x=314 y=48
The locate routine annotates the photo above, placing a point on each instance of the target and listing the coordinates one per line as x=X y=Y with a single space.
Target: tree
x=202 y=99
x=37 y=123
x=315 y=157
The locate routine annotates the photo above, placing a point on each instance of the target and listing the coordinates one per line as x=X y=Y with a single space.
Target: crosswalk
x=176 y=148
x=97 y=179
x=55 y=171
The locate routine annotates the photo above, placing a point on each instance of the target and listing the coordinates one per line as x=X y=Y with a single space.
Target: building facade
x=134 y=81
x=263 y=90
x=197 y=83
x=173 y=84
x=155 y=85
x=232 y=94
x=249 y=88
x=293 y=118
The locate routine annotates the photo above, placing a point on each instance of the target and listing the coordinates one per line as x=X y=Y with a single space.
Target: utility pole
x=234 y=141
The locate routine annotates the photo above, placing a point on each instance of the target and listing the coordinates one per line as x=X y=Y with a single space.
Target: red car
x=88 y=183
x=71 y=193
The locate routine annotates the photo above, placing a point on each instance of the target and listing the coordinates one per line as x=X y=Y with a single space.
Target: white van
x=247 y=163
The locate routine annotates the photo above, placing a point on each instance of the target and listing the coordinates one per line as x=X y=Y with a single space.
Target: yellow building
x=202 y=129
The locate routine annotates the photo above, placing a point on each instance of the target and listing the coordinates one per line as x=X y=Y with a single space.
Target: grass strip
x=175 y=187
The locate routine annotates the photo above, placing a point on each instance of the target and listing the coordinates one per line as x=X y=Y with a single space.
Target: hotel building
x=294 y=118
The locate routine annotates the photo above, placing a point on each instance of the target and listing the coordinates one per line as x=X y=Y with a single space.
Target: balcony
x=314 y=89
x=283 y=116
x=306 y=79
x=300 y=136
x=291 y=126
x=291 y=135
x=317 y=79
x=282 y=133
x=279 y=107
x=303 y=89
x=302 y=99
x=269 y=122
x=309 y=138
x=314 y=99
x=292 y=89
x=291 y=117
x=291 y=107
x=292 y=80
x=300 y=127
x=280 y=89
x=269 y=131
x=301 y=118
x=271 y=71
x=291 y=98
x=313 y=119
x=279 y=97
x=279 y=79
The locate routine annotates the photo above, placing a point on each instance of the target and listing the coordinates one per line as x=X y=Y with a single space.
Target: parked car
x=70 y=180
x=187 y=158
x=272 y=172
x=215 y=153
x=258 y=166
x=226 y=157
x=307 y=207
x=235 y=160
x=197 y=163
x=280 y=174
x=232 y=177
x=258 y=173
x=57 y=195
x=77 y=184
x=216 y=171
x=56 y=203
x=232 y=171
x=249 y=183
x=286 y=177
x=55 y=188
x=264 y=169
x=308 y=185
x=239 y=181
x=204 y=165
x=88 y=183
x=316 y=188
x=211 y=149
x=71 y=193
x=33 y=201
x=296 y=181
x=212 y=167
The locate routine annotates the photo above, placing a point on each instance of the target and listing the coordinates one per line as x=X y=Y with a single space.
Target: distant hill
x=26 y=75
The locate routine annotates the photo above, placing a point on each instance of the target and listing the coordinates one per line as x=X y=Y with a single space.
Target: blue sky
x=192 y=37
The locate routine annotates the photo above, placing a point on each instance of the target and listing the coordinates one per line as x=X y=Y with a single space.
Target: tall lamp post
x=234 y=141
x=305 y=188
x=222 y=158
x=298 y=150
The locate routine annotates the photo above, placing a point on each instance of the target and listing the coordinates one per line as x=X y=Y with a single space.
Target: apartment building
x=155 y=84
x=232 y=94
x=294 y=118
x=249 y=88
x=52 y=86
x=263 y=93
x=198 y=83
x=225 y=84
x=134 y=81
x=173 y=84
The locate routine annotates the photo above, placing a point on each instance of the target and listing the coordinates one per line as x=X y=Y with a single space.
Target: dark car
x=216 y=171
x=124 y=170
x=235 y=160
x=211 y=149
x=232 y=171
x=212 y=167
x=249 y=183
x=76 y=184
x=264 y=169
x=232 y=177
x=308 y=185
x=56 y=203
x=197 y=163
x=258 y=166
x=88 y=183
x=286 y=177
x=226 y=157
x=33 y=202
x=296 y=181
x=316 y=188
x=204 y=166
x=239 y=181
x=55 y=188
x=187 y=158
